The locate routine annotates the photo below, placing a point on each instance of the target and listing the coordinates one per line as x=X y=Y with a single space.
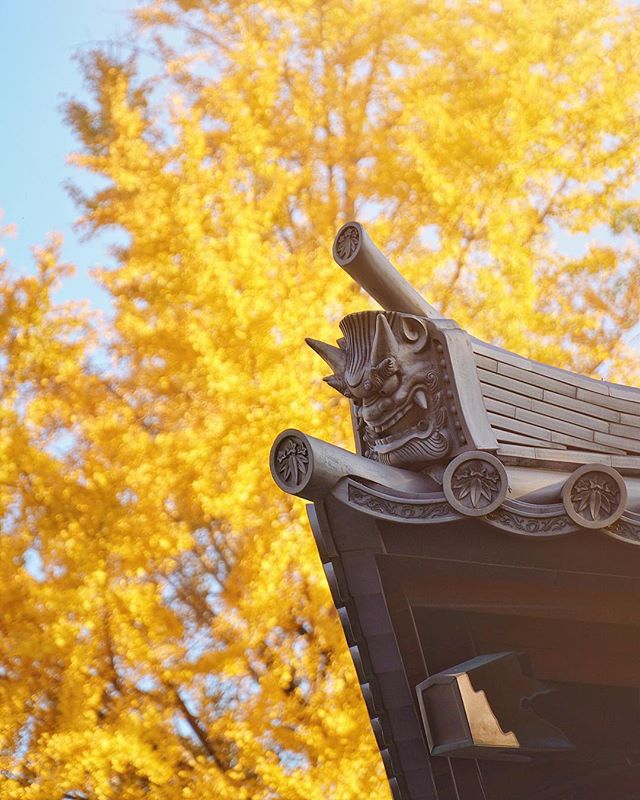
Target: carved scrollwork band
x=435 y=508
x=627 y=528
x=595 y=491
x=517 y=517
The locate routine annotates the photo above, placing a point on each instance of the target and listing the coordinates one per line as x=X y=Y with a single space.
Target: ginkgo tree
x=167 y=628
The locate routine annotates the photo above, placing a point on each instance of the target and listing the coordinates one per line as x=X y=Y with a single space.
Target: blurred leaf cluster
x=166 y=628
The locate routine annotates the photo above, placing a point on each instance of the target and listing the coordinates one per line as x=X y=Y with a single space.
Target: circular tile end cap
x=475 y=483
x=594 y=496
x=291 y=461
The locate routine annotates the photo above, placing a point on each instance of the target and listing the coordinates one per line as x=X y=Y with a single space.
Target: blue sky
x=38 y=40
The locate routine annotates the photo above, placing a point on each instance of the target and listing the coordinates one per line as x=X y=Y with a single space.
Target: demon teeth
x=391 y=421
x=423 y=430
x=420 y=399
x=423 y=426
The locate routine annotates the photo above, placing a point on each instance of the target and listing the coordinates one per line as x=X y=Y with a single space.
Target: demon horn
x=334 y=357
x=384 y=342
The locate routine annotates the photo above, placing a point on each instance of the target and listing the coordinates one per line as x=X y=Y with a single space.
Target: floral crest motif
x=293 y=461
x=347 y=242
x=594 y=496
x=477 y=481
x=597 y=494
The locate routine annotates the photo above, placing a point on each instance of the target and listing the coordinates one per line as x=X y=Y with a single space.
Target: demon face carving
x=387 y=366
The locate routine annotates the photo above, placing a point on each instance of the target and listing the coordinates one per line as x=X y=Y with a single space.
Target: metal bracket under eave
x=484 y=708
x=494 y=707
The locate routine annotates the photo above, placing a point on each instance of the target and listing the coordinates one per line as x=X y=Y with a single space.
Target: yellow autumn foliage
x=166 y=628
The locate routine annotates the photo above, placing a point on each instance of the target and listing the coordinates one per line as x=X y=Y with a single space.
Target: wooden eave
x=475 y=590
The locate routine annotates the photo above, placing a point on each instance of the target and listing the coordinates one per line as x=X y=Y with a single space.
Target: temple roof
x=546 y=415
x=476 y=546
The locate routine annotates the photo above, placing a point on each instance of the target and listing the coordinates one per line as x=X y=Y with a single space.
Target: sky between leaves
x=38 y=41
x=38 y=45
